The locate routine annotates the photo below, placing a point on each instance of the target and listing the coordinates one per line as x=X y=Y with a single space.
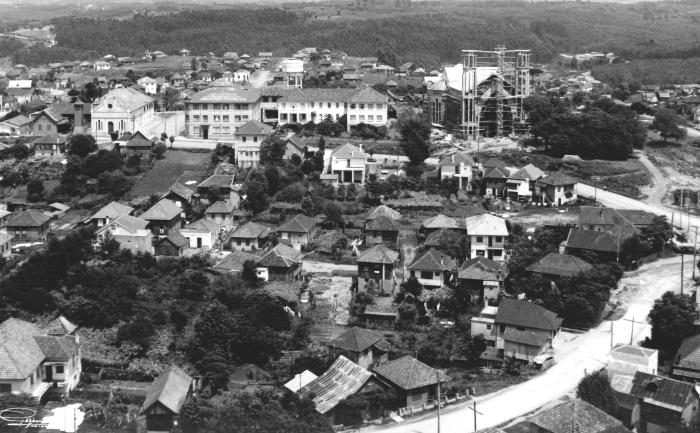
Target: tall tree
x=595 y=389
x=672 y=319
x=668 y=124
x=415 y=132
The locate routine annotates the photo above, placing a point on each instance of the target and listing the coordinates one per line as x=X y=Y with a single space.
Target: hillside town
x=192 y=241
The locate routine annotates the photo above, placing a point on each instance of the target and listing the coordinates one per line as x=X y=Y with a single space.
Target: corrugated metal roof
x=343 y=379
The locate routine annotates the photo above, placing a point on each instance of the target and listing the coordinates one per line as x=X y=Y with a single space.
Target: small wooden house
x=165 y=399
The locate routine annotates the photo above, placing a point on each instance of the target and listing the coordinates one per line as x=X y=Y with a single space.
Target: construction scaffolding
x=494 y=84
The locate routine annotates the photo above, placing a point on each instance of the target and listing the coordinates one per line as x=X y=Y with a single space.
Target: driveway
x=575 y=356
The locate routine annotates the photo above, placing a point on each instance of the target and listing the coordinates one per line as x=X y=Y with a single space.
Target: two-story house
x=556 y=189
x=150 y=85
x=457 y=165
x=109 y=213
x=280 y=263
x=218 y=112
x=488 y=235
x=29 y=225
x=361 y=346
x=201 y=234
x=51 y=145
x=221 y=213
x=298 y=231
x=130 y=232
x=119 y=111
x=662 y=404
x=377 y=265
x=348 y=162
x=520 y=185
x=432 y=268
x=37 y=359
x=482 y=280
x=163 y=217
x=247 y=141
x=249 y=236
x=382 y=230
x=165 y=398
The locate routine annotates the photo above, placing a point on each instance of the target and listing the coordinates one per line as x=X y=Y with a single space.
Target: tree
x=667 y=123
x=256 y=195
x=171 y=99
x=658 y=233
x=415 y=132
x=159 y=150
x=35 y=188
x=249 y=272
x=81 y=145
x=272 y=150
x=672 y=319
x=595 y=389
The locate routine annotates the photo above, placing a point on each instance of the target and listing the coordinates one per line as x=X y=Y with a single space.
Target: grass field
x=166 y=171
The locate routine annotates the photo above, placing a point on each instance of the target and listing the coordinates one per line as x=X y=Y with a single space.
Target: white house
x=201 y=234
x=119 y=111
x=520 y=185
x=101 y=65
x=130 y=232
x=457 y=165
x=247 y=142
x=241 y=76
x=149 y=85
x=218 y=112
x=488 y=235
x=19 y=84
x=348 y=162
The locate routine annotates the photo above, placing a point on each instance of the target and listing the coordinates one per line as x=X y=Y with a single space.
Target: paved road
x=575 y=354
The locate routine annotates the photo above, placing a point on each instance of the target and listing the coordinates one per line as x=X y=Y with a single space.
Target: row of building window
x=218 y=106
x=249 y=154
x=497 y=239
x=370 y=118
x=337 y=105
x=217 y=118
x=38 y=127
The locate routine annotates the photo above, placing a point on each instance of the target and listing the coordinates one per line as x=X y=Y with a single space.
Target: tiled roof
x=409 y=373
x=250 y=230
x=383 y=224
x=20 y=353
x=603 y=241
x=637 y=217
x=689 y=353
x=127 y=222
x=439 y=222
x=486 y=225
x=226 y=95
x=597 y=215
x=217 y=180
x=220 y=206
x=175 y=238
x=181 y=190
x=493 y=163
x=378 y=254
x=432 y=260
x=358 y=339
x=383 y=210
x=527 y=338
x=563 y=265
x=348 y=150
x=342 y=379
x=495 y=173
x=202 y=225
x=164 y=210
x=556 y=179
x=254 y=127
x=527 y=315
x=52 y=139
x=234 y=261
x=298 y=224
x=482 y=269
x=169 y=389
x=367 y=95
x=27 y=218
x=60 y=326
x=576 y=416
x=127 y=98
x=456 y=158
x=662 y=391
x=112 y=211
x=281 y=256
x=57 y=349
x=529 y=172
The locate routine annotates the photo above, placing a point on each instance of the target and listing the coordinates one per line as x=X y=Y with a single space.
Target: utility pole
x=682 y=270
x=695 y=250
x=473 y=409
x=612 y=330
x=437 y=373
x=632 y=331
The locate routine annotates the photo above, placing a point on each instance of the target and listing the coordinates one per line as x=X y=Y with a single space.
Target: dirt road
x=657 y=190
x=575 y=354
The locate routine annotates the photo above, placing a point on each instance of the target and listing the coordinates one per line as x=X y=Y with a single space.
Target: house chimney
x=78 y=117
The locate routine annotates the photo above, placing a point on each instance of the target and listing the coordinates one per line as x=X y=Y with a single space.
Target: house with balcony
x=520 y=185
x=375 y=267
x=120 y=111
x=488 y=235
x=482 y=280
x=247 y=142
x=348 y=162
x=460 y=166
x=36 y=360
x=432 y=268
x=51 y=145
x=298 y=232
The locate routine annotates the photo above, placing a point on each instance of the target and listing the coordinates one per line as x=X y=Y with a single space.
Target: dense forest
x=429 y=38
x=650 y=71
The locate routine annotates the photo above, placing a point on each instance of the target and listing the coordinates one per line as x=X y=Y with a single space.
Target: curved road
x=576 y=354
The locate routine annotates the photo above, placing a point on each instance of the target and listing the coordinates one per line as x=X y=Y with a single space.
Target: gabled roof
x=592 y=240
x=220 y=206
x=496 y=173
x=298 y=224
x=689 y=353
x=127 y=222
x=164 y=210
x=432 y=260
x=57 y=348
x=112 y=210
x=367 y=95
x=637 y=217
x=342 y=379
x=217 y=180
x=378 y=254
x=181 y=190
x=527 y=315
x=529 y=172
x=527 y=338
x=175 y=238
x=439 y=222
x=443 y=238
x=563 y=265
x=493 y=163
x=250 y=230
x=456 y=158
x=557 y=179
x=383 y=210
x=169 y=389
x=202 y=225
x=576 y=416
x=486 y=225
x=60 y=326
x=358 y=339
x=234 y=261
x=482 y=269
x=409 y=373
x=127 y=98
x=347 y=151
x=281 y=256
x=254 y=127
x=27 y=218
x=226 y=95
x=662 y=391
x=20 y=353
x=383 y=224
x=597 y=215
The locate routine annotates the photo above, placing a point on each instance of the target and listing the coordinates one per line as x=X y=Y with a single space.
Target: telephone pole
x=682 y=270
x=437 y=373
x=473 y=409
x=695 y=250
x=632 y=330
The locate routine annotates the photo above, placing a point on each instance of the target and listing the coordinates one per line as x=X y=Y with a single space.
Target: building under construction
x=483 y=95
